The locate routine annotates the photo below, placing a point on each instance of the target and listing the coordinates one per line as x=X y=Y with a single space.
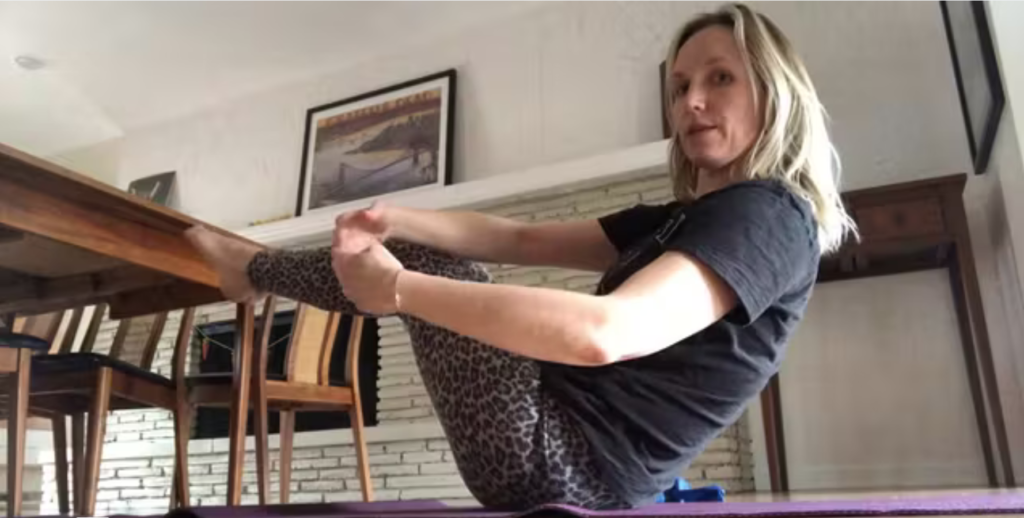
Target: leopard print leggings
x=514 y=446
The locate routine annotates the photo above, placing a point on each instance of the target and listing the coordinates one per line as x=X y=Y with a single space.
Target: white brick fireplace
x=409 y=455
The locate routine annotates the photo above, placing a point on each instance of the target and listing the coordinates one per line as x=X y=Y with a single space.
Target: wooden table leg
x=17 y=416
x=356 y=411
x=362 y=457
x=259 y=388
x=94 y=447
x=972 y=293
x=77 y=459
x=775 y=442
x=971 y=364
x=60 y=461
x=262 y=450
x=239 y=402
x=182 y=431
x=182 y=410
x=286 y=434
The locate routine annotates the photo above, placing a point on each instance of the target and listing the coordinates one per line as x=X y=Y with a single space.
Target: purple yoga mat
x=949 y=504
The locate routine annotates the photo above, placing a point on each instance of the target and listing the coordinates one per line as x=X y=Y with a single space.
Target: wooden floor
x=875 y=495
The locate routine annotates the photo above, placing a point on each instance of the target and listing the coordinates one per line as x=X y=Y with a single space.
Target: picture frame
x=978 y=82
x=398 y=139
x=158 y=188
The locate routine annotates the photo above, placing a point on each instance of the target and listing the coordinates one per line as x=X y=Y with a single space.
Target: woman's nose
x=696 y=101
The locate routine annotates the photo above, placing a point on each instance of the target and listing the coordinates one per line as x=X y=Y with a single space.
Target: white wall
x=100 y=161
x=570 y=80
x=1007 y=20
x=995 y=206
x=998 y=233
x=1007 y=220
x=860 y=412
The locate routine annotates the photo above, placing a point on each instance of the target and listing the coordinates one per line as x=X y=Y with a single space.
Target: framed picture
x=157 y=188
x=977 y=75
x=396 y=139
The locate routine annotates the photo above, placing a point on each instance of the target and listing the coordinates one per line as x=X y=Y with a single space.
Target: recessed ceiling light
x=28 y=62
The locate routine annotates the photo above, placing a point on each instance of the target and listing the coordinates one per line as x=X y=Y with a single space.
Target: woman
x=602 y=400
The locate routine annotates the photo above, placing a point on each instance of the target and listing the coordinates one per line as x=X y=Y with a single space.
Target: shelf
x=552 y=179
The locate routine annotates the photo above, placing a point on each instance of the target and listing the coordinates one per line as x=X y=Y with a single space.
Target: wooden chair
x=305 y=385
x=19 y=340
x=72 y=384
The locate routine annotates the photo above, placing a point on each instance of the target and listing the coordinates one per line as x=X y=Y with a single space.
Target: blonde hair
x=793 y=145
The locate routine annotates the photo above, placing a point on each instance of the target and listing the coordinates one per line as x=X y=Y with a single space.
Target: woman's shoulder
x=751 y=195
x=766 y=189
x=763 y=201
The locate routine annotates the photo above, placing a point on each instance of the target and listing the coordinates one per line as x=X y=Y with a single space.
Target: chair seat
x=209 y=388
x=77 y=362
x=223 y=378
x=20 y=341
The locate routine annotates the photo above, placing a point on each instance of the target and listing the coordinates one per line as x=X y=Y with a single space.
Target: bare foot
x=229 y=258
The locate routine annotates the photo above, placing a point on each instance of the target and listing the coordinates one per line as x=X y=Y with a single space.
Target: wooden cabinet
x=900 y=220
x=904 y=228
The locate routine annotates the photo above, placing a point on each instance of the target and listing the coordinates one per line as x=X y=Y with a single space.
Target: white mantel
x=563 y=177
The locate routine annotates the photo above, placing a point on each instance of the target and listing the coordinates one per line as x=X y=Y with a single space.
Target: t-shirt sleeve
x=623 y=228
x=761 y=240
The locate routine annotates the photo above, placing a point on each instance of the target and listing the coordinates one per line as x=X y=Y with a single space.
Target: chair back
x=311 y=346
x=355 y=338
x=186 y=331
x=178 y=360
x=135 y=340
x=44 y=326
x=312 y=338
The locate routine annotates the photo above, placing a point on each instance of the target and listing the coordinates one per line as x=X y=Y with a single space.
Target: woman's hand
x=369 y=277
x=355 y=230
x=368 y=273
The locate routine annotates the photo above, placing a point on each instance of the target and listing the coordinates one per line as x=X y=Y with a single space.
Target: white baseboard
x=886 y=477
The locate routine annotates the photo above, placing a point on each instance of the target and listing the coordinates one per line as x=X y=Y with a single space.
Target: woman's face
x=713 y=100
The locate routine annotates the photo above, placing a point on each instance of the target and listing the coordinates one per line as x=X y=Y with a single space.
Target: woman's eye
x=680 y=90
x=722 y=78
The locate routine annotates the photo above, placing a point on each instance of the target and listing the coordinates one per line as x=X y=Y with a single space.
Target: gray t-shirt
x=648 y=418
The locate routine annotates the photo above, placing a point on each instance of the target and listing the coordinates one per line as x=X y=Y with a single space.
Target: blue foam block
x=682 y=492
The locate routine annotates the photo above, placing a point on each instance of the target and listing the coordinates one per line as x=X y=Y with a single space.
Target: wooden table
x=67 y=240
x=904 y=228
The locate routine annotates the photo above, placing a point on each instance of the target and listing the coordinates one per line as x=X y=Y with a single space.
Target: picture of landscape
x=364 y=149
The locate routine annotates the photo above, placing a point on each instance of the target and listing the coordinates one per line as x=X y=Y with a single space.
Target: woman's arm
x=670 y=299
x=482 y=237
x=546 y=324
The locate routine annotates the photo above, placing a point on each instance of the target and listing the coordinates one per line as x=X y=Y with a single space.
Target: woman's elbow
x=599 y=355
x=620 y=333
x=589 y=353
x=598 y=344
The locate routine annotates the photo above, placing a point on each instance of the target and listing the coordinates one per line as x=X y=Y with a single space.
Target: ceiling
x=115 y=66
